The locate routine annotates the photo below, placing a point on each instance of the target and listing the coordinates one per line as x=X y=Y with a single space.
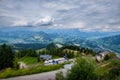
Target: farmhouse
x=45 y=57
x=101 y=56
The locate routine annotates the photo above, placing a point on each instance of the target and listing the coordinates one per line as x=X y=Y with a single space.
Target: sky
x=86 y=15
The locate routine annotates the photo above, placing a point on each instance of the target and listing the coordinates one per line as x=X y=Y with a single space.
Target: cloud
x=46 y=21
x=58 y=14
x=20 y=23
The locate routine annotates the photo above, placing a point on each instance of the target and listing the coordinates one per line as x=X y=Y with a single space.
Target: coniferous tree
x=6 y=56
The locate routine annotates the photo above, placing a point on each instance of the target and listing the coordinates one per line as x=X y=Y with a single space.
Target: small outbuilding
x=45 y=57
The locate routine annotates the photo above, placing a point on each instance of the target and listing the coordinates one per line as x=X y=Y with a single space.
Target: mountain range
x=111 y=42
x=41 y=38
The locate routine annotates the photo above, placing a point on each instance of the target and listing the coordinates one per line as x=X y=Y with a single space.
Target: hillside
x=48 y=36
x=22 y=39
x=111 y=42
x=15 y=37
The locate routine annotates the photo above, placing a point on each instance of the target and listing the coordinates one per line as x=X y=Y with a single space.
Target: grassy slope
x=13 y=72
x=29 y=60
x=106 y=66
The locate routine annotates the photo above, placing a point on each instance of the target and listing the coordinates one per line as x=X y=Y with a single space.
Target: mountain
x=82 y=34
x=14 y=37
x=25 y=38
x=54 y=45
x=111 y=42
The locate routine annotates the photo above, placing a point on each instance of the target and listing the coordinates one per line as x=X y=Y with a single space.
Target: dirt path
x=105 y=64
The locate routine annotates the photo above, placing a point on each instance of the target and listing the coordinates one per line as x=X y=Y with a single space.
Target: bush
x=83 y=70
x=59 y=76
x=15 y=63
x=110 y=56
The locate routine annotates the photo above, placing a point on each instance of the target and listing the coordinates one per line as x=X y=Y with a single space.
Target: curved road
x=43 y=76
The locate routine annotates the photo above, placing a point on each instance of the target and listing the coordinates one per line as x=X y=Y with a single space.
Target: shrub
x=83 y=70
x=110 y=56
x=59 y=76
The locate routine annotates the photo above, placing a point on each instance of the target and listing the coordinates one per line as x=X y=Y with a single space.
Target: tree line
x=66 y=51
x=26 y=52
x=8 y=58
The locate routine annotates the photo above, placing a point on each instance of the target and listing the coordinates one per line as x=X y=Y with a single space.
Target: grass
x=101 y=70
x=12 y=72
x=29 y=60
x=56 y=57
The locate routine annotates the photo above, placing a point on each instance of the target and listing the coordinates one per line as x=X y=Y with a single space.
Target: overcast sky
x=87 y=15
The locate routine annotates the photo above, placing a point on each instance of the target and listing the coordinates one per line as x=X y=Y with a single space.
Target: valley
x=59 y=39
x=40 y=39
